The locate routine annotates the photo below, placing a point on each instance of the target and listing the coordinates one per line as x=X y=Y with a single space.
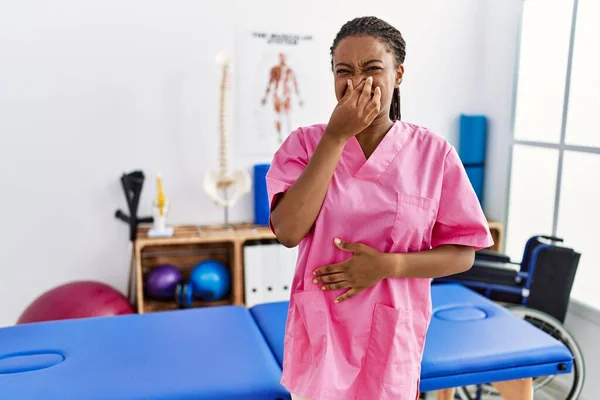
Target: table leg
x=519 y=389
x=446 y=394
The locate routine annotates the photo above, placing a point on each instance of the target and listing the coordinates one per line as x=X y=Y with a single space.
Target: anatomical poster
x=274 y=86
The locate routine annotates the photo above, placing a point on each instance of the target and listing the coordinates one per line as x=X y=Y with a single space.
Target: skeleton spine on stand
x=224 y=186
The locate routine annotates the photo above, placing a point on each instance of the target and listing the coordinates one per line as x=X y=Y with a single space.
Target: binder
x=253 y=275
x=270 y=271
x=287 y=268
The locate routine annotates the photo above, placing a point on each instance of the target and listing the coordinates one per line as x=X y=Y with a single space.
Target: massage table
x=231 y=352
x=211 y=353
x=471 y=340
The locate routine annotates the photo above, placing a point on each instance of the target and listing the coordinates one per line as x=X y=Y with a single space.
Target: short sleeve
x=287 y=165
x=460 y=219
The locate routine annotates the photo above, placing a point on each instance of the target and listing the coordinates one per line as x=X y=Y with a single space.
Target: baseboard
x=584 y=311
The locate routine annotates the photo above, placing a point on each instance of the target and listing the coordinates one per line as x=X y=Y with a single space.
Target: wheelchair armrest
x=491 y=272
x=496 y=265
x=491 y=255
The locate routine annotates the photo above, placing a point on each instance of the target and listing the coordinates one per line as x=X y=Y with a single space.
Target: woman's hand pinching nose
x=355 y=111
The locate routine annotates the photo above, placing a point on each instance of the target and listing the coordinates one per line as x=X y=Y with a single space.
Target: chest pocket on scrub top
x=413 y=225
x=361 y=211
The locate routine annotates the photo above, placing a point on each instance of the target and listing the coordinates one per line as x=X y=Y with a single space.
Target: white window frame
x=561 y=147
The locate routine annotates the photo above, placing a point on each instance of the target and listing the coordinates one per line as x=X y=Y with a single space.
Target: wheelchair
x=538 y=290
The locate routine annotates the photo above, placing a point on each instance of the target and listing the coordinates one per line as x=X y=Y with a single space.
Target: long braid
x=373 y=26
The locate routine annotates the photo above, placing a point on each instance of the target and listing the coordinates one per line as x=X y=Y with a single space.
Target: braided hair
x=373 y=26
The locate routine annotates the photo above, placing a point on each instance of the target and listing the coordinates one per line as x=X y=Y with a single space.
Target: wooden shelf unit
x=497 y=231
x=188 y=246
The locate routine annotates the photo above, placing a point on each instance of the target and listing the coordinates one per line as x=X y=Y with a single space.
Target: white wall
x=89 y=90
x=503 y=19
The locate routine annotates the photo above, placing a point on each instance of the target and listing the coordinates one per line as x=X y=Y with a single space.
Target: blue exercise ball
x=210 y=280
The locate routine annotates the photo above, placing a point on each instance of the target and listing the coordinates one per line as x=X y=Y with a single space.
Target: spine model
x=225 y=186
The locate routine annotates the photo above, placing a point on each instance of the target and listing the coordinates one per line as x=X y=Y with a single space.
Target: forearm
x=296 y=211
x=438 y=262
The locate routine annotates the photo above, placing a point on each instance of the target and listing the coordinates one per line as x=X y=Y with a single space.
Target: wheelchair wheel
x=546 y=387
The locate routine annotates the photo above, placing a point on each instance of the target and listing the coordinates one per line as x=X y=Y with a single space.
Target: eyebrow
x=366 y=63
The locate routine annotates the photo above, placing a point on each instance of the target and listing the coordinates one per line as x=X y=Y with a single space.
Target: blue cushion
x=473 y=139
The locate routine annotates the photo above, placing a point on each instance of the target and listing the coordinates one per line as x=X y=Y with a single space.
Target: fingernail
x=337 y=241
x=336 y=301
x=323 y=288
x=316 y=281
x=370 y=79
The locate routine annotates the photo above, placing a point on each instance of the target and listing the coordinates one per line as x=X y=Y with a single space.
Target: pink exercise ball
x=73 y=300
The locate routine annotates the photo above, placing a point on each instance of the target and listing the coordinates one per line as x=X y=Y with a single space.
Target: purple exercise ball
x=162 y=281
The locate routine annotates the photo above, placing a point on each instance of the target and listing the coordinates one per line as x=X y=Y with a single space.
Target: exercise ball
x=210 y=280
x=162 y=281
x=82 y=299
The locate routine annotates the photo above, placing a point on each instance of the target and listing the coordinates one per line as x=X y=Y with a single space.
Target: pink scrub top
x=411 y=194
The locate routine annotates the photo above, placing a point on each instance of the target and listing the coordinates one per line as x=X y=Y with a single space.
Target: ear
x=399 y=74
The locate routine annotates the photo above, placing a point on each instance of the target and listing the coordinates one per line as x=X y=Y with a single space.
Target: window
x=544 y=51
x=532 y=193
x=555 y=165
x=584 y=94
x=579 y=220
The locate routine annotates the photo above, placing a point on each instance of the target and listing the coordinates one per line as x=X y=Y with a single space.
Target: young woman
x=378 y=207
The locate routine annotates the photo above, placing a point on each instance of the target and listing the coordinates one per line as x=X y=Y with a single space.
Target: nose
x=358 y=78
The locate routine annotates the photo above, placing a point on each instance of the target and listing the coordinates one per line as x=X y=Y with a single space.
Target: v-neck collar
x=373 y=167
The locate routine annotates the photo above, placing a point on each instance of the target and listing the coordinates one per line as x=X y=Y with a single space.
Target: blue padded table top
x=210 y=353
x=473 y=340
x=271 y=319
x=470 y=340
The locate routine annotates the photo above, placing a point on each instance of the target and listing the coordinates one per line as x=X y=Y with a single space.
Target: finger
x=349 y=89
x=349 y=247
x=374 y=105
x=337 y=286
x=377 y=95
x=366 y=91
x=358 y=89
x=330 y=278
x=330 y=269
x=350 y=293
